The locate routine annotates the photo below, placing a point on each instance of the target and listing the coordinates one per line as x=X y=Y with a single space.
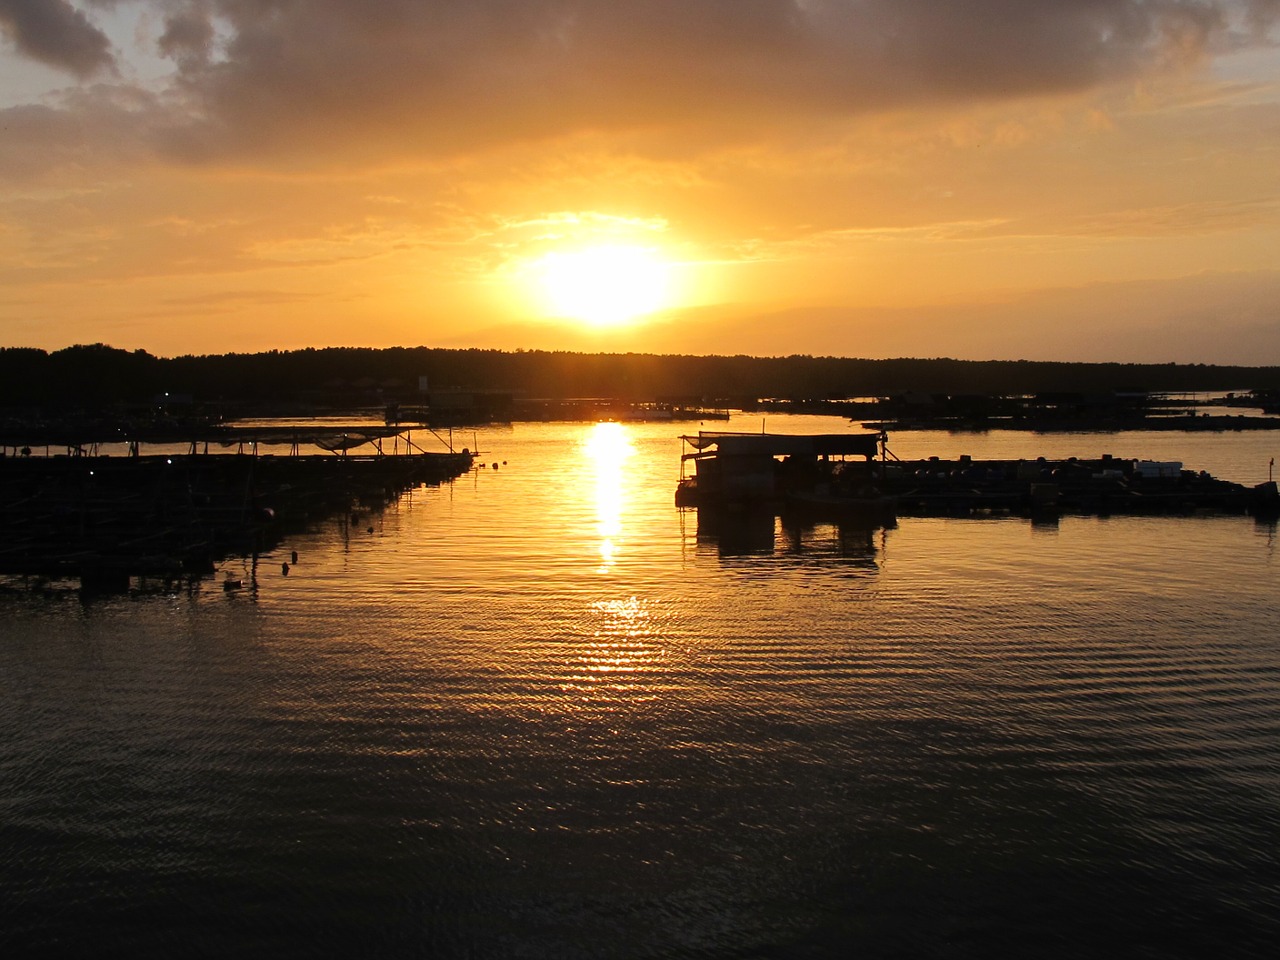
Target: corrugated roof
x=781 y=444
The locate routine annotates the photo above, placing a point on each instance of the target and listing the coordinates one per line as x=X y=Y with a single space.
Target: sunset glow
x=878 y=178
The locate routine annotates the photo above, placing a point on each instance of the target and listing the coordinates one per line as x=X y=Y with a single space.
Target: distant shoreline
x=94 y=376
x=1201 y=424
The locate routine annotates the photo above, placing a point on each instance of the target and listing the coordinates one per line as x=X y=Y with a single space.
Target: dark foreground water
x=539 y=713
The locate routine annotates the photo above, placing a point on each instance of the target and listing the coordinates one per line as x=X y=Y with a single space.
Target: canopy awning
x=781 y=444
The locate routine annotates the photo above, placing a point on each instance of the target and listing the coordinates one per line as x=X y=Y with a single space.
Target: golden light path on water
x=619 y=648
x=608 y=447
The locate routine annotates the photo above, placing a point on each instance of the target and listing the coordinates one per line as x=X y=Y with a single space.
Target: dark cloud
x=188 y=35
x=56 y=33
x=97 y=130
x=435 y=75
x=334 y=79
x=1261 y=14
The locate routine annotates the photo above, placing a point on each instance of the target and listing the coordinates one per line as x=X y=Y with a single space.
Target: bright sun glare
x=607 y=448
x=604 y=286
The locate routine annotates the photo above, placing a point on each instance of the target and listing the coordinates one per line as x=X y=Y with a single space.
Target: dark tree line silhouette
x=98 y=374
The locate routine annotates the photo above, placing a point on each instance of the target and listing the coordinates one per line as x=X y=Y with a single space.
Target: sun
x=604 y=286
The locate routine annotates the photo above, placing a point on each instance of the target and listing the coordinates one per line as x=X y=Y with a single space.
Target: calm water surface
x=541 y=713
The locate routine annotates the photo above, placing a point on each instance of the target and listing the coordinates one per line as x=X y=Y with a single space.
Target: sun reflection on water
x=608 y=447
x=620 y=656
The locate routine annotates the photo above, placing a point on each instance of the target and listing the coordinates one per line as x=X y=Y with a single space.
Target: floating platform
x=105 y=519
x=1073 y=486
x=815 y=476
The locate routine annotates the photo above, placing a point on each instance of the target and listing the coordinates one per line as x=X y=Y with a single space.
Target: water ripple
x=540 y=712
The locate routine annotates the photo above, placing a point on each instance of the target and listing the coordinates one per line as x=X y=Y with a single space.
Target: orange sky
x=1042 y=179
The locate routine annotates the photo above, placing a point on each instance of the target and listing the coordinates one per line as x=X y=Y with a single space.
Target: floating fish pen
x=103 y=518
x=855 y=476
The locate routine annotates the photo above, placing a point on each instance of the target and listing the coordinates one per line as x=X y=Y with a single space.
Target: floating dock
x=106 y=518
x=856 y=477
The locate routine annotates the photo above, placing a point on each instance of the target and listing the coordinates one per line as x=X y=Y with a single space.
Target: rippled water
x=541 y=713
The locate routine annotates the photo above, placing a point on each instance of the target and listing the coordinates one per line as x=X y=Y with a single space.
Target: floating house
x=761 y=468
x=838 y=477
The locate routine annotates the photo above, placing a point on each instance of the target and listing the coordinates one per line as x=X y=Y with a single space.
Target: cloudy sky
x=1043 y=179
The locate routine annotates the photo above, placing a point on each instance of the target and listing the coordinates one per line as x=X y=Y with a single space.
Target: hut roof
x=784 y=444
